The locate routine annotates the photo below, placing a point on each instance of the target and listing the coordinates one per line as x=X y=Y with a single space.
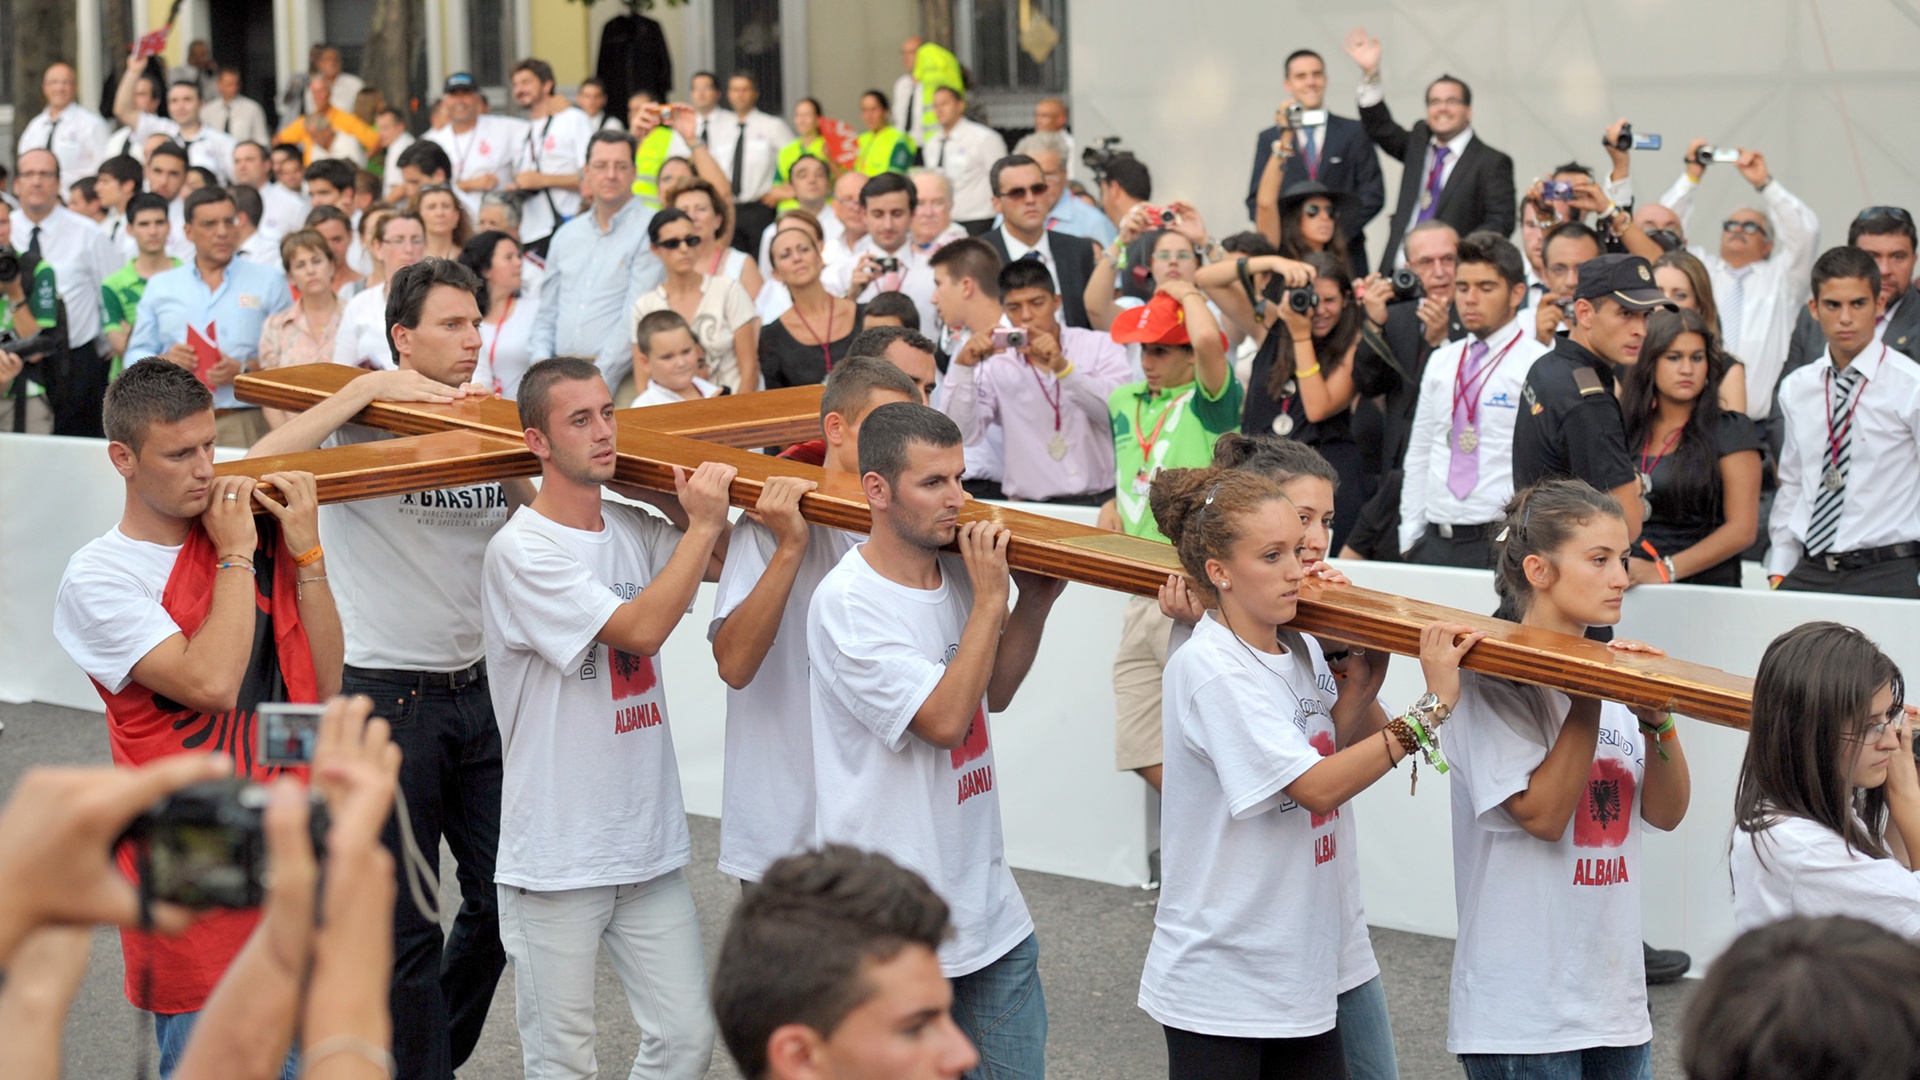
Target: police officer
x=1570 y=422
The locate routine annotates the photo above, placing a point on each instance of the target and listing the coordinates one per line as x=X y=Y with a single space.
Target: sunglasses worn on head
x=1022 y=193
x=1751 y=228
x=1895 y=212
x=673 y=243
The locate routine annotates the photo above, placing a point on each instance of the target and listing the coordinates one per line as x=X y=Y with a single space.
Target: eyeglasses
x=1022 y=193
x=1751 y=228
x=1431 y=102
x=1175 y=256
x=1876 y=729
x=1435 y=260
x=673 y=243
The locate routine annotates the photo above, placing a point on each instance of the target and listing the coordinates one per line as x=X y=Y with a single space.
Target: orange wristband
x=308 y=558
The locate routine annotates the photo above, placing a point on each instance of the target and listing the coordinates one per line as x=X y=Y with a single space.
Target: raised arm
x=1209 y=353
x=307 y=430
x=747 y=633
x=1098 y=294
x=123 y=108
x=641 y=625
x=204 y=671
x=944 y=717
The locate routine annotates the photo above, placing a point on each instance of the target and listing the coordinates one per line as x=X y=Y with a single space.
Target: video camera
x=1098 y=158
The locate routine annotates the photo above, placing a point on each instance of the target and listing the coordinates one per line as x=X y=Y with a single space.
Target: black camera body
x=9 y=266
x=205 y=846
x=1303 y=300
x=41 y=345
x=1097 y=158
x=1407 y=286
x=885 y=264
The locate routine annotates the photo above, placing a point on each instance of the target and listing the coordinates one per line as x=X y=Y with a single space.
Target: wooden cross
x=478 y=441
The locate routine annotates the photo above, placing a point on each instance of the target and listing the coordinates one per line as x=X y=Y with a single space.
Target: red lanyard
x=499 y=331
x=825 y=350
x=1836 y=437
x=1469 y=392
x=1059 y=391
x=1647 y=465
x=1147 y=442
x=719 y=253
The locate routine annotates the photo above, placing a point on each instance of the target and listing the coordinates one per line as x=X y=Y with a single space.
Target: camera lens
x=9 y=266
x=1302 y=300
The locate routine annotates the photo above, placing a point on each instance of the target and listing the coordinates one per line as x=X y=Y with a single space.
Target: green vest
x=886 y=150
x=653 y=153
x=790 y=153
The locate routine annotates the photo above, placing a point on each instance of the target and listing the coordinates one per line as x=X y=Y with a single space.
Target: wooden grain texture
x=397 y=466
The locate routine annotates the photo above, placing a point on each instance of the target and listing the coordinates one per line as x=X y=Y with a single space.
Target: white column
x=794 y=47
x=698 y=23
x=436 y=65
x=87 y=58
x=523 y=34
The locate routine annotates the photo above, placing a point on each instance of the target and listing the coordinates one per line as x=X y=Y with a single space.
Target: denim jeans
x=1003 y=1010
x=1594 y=1063
x=1366 y=1033
x=450 y=776
x=171 y=1030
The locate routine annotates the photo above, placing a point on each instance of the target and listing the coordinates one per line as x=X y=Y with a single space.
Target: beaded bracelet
x=236 y=563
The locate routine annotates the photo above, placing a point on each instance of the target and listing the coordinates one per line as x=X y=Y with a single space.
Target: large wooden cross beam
x=472 y=442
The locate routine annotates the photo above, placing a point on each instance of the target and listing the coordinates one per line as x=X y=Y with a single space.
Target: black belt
x=1836 y=561
x=1465 y=533
x=426 y=680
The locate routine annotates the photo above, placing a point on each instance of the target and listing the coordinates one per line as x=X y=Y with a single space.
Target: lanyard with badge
x=1467 y=392
x=1831 y=477
x=1057 y=446
x=1143 y=479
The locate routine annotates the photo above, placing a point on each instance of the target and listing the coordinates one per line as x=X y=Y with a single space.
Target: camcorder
x=1627 y=140
x=1303 y=300
x=1009 y=337
x=1098 y=158
x=1298 y=117
x=1725 y=155
x=205 y=846
x=1407 y=286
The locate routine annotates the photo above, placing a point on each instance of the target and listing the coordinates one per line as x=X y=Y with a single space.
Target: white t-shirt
x=107 y=614
x=1247 y=935
x=1801 y=867
x=766 y=807
x=506 y=348
x=877 y=650
x=361 y=340
x=655 y=394
x=1548 y=957
x=488 y=147
x=590 y=794
x=553 y=145
x=405 y=570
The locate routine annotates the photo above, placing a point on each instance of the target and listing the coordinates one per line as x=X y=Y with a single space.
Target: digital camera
x=885 y=264
x=1158 y=216
x=1009 y=337
x=1407 y=286
x=1724 y=155
x=1298 y=117
x=205 y=846
x=1303 y=300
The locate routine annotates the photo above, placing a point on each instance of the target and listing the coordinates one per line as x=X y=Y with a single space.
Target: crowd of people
x=1598 y=407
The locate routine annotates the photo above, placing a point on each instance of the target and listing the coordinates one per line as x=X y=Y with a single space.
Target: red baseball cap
x=1160 y=321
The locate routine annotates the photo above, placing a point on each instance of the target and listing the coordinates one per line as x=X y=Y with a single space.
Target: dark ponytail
x=1538 y=521
x=1279 y=459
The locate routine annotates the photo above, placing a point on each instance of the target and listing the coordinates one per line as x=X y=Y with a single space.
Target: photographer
x=29 y=300
x=1326 y=149
x=1562 y=250
x=885 y=260
x=81 y=257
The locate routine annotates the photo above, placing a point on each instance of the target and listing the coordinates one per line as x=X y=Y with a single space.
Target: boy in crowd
x=120 y=293
x=672 y=360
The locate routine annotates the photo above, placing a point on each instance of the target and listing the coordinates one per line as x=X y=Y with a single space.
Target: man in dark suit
x=1337 y=153
x=1450 y=173
x=1021 y=197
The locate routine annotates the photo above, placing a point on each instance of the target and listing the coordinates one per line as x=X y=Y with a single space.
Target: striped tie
x=1825 y=523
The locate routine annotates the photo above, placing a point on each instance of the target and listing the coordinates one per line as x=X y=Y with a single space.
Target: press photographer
x=80 y=257
x=30 y=301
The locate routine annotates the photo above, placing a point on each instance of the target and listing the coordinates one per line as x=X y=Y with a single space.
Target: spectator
x=232 y=113
x=1837 y=991
x=663 y=347
x=1458 y=179
x=1565 y=248
x=746 y=142
x=1823 y=779
x=1699 y=466
x=659 y=142
x=1022 y=197
x=84 y=200
x=199 y=176
x=325 y=130
x=330 y=183
x=254 y=245
x=124 y=606
x=119 y=180
x=809 y=180
x=821 y=960
x=884 y=260
x=703 y=92
x=207 y=316
x=801 y=346
x=411 y=606
x=506 y=321
x=717 y=310
x=368 y=236
x=81 y=258
x=333 y=226
x=1334 y=153
x=893 y=309
x=567 y=638
x=207 y=147
x=910 y=106
x=1758 y=289
x=390 y=127
x=598 y=265
x=882 y=146
x=1189 y=380
x=423 y=165
x=1048 y=398
x=966 y=298
x=323 y=62
x=449 y=227
x=1050 y=118
x=282 y=210
x=167 y=178
x=145 y=96
x=933 y=226
x=808 y=141
x=1155 y=253
x=198 y=69
x=910 y=650
x=1570 y=423
x=1887 y=234
x=29 y=305
x=1853 y=421
x=712 y=216
x=1305 y=218
x=963 y=151
x=75 y=134
x=549 y=159
x=591 y=99
x=1458 y=473
x=1685 y=281
x=399 y=242
x=480 y=145
x=121 y=291
x=304 y=331
x=1052 y=151
x=1124 y=184
x=289 y=168
x=499 y=214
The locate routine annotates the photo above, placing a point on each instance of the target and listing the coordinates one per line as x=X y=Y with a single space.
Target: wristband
x=1667 y=562
x=1663 y=732
x=236 y=564
x=308 y=557
x=1314 y=370
x=1774 y=580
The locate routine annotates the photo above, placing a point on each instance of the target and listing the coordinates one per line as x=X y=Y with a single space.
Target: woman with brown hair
x=446 y=221
x=712 y=215
x=1685 y=281
x=804 y=343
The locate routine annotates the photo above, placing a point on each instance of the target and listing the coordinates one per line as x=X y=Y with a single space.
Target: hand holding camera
x=1297 y=307
x=1007 y=338
x=10 y=366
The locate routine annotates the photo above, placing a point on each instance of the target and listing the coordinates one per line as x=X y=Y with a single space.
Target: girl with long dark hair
x=1699 y=463
x=1828 y=806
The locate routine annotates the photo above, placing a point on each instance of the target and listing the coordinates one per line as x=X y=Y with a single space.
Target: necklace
x=825 y=340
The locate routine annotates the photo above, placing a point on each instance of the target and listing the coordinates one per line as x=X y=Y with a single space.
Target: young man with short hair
x=186 y=618
x=885 y=260
x=550 y=156
x=963 y=150
x=1048 y=398
x=120 y=293
x=909 y=650
x=966 y=295
x=775 y=563
x=119 y=180
x=830 y=971
x=1847 y=516
x=281 y=210
x=579 y=595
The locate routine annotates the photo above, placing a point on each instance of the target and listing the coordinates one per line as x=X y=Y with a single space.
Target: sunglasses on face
x=1751 y=228
x=1022 y=193
x=673 y=243
x=1315 y=209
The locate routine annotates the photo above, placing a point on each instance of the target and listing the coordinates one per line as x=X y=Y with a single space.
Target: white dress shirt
x=242 y=118
x=121 y=237
x=488 y=147
x=132 y=141
x=283 y=210
x=914 y=278
x=78 y=139
x=1017 y=251
x=390 y=179
x=82 y=257
x=1775 y=289
x=906 y=108
x=765 y=135
x=1424 y=494
x=1882 y=494
x=554 y=145
x=260 y=248
x=965 y=156
x=211 y=148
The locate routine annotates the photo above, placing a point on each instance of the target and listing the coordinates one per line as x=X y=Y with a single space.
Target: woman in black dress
x=799 y=347
x=1699 y=463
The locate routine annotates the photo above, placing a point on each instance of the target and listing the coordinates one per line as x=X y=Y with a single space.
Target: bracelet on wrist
x=1305 y=372
x=308 y=557
x=236 y=564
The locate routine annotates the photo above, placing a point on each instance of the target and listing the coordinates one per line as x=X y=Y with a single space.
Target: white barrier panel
x=1066 y=810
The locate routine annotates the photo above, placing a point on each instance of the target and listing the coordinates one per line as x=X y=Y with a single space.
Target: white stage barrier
x=1067 y=811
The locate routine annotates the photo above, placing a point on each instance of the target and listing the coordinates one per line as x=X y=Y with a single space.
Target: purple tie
x=1432 y=200
x=1463 y=471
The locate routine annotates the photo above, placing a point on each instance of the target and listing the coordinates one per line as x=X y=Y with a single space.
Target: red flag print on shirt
x=1323 y=742
x=1601 y=820
x=974 y=746
x=633 y=677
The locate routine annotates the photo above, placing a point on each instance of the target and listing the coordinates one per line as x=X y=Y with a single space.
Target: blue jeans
x=1366 y=1032
x=1004 y=1012
x=171 y=1031
x=1594 y=1063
